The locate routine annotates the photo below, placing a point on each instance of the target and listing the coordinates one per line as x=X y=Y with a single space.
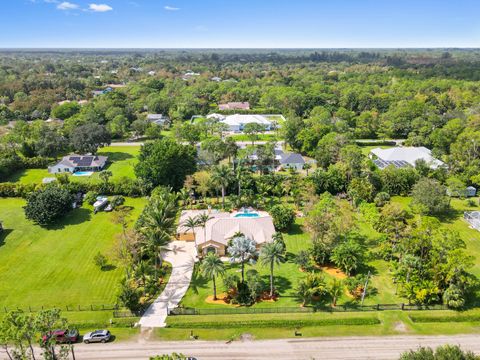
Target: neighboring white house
x=222 y=226
x=74 y=163
x=403 y=156
x=158 y=119
x=237 y=122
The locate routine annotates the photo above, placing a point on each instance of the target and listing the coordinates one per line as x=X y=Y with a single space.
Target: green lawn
x=54 y=267
x=122 y=160
x=261 y=137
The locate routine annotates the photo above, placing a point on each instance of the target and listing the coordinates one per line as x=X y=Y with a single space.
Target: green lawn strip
x=54 y=267
x=271 y=320
x=261 y=137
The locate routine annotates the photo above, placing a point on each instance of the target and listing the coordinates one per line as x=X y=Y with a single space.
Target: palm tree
x=242 y=249
x=184 y=195
x=191 y=223
x=335 y=290
x=211 y=267
x=271 y=254
x=313 y=285
x=221 y=175
x=158 y=225
x=202 y=221
x=240 y=173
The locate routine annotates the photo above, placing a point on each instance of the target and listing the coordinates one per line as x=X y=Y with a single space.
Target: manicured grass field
x=54 y=266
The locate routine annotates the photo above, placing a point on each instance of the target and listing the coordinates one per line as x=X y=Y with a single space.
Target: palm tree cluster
x=154 y=231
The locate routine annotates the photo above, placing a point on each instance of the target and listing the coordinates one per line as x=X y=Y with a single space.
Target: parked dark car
x=62 y=336
x=102 y=336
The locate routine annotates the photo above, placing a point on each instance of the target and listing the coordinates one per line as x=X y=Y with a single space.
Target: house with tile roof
x=234 y=106
x=223 y=226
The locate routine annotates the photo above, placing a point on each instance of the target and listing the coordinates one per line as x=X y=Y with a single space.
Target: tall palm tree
x=202 y=221
x=158 y=225
x=191 y=223
x=240 y=173
x=211 y=267
x=271 y=254
x=221 y=176
x=243 y=249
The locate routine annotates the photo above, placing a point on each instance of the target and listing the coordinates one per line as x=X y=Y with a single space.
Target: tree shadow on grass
x=198 y=281
x=281 y=283
x=108 y=267
x=3 y=235
x=295 y=229
x=75 y=217
x=450 y=215
x=116 y=156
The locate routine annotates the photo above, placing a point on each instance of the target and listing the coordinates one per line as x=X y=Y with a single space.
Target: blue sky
x=239 y=23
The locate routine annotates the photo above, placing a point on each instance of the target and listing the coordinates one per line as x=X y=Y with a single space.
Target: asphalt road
x=358 y=348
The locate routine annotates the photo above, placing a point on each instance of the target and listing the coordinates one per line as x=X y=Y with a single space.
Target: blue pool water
x=247 y=214
x=83 y=173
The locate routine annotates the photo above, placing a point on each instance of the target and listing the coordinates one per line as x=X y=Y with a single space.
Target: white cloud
x=99 y=7
x=67 y=6
x=171 y=8
x=51 y=1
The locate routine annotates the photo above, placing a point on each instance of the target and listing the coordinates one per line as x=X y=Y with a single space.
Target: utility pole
x=365 y=287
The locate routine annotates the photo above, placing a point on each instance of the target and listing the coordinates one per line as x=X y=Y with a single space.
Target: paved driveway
x=182 y=257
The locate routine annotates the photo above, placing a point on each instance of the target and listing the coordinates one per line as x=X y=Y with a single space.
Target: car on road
x=62 y=336
x=102 y=336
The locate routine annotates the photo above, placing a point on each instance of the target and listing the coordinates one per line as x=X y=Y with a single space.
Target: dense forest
x=428 y=97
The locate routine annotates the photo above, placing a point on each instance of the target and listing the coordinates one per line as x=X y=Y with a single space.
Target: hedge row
x=445 y=318
x=126 y=187
x=275 y=323
x=117 y=323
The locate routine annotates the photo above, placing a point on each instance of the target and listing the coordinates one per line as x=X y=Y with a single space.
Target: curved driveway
x=182 y=257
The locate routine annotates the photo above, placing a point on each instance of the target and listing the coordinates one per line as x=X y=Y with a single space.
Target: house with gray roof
x=158 y=119
x=284 y=160
x=74 y=163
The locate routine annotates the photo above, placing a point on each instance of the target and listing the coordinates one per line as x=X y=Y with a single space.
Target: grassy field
x=122 y=160
x=54 y=266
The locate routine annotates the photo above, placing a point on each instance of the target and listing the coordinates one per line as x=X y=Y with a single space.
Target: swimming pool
x=247 y=214
x=83 y=173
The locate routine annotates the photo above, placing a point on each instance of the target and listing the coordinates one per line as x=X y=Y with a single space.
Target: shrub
x=356 y=285
x=45 y=206
x=450 y=352
x=381 y=199
x=283 y=217
x=100 y=260
x=91 y=197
